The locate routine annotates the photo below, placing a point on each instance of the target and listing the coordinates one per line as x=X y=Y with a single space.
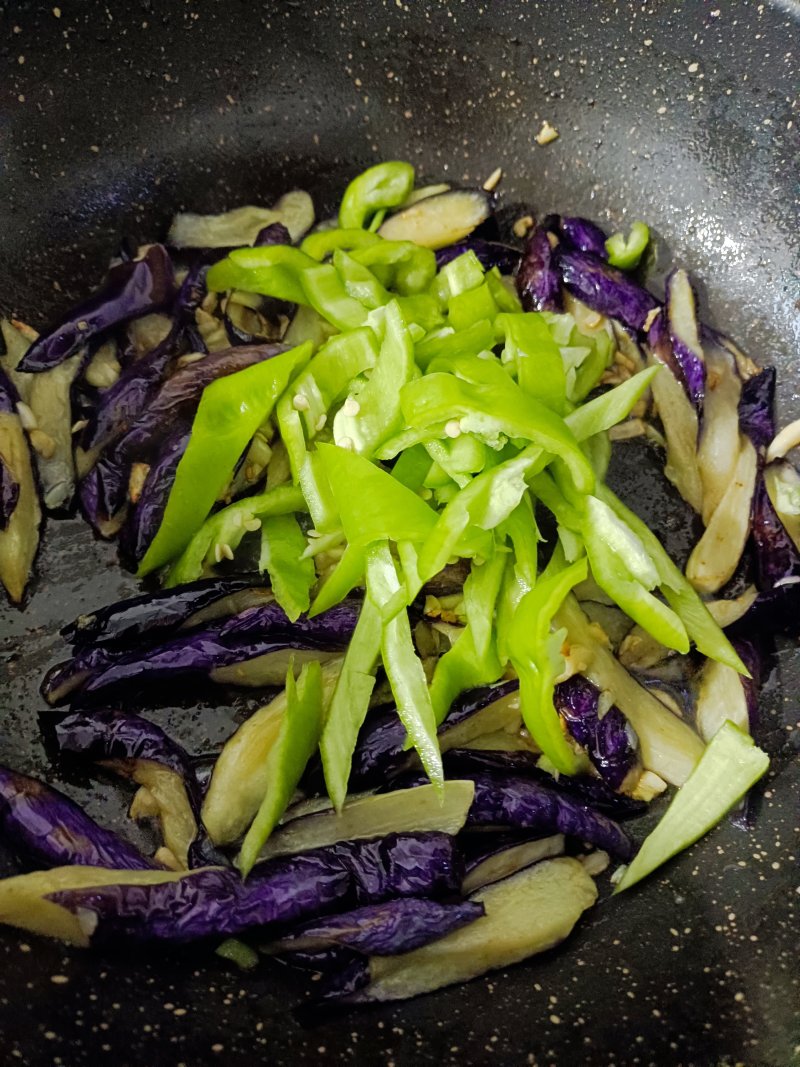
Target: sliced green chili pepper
x=611 y=407
x=274 y=270
x=227 y=527
x=324 y=381
x=375 y=414
x=348 y=573
x=626 y=253
x=359 y=281
x=422 y=310
x=298 y=737
x=403 y=666
x=324 y=290
x=487 y=501
x=465 y=309
x=521 y=567
x=679 y=594
x=537 y=658
x=371 y=504
x=290 y=573
x=473 y=659
x=494 y=410
x=479 y=337
x=412 y=467
x=459 y=276
x=540 y=368
x=350 y=702
x=385 y=185
x=230 y=411
x=400 y=265
x=505 y=295
x=623 y=568
x=318 y=495
x=324 y=243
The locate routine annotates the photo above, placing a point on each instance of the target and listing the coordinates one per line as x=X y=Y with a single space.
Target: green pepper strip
x=679 y=594
x=465 y=309
x=385 y=185
x=459 y=276
x=298 y=737
x=620 y=563
x=504 y=295
x=540 y=368
x=274 y=270
x=521 y=567
x=536 y=655
x=228 y=526
x=400 y=265
x=371 y=504
x=473 y=659
x=486 y=502
x=348 y=573
x=324 y=290
x=626 y=254
x=402 y=664
x=325 y=380
x=323 y=244
x=230 y=411
x=359 y=281
x=611 y=407
x=492 y=495
x=350 y=702
x=291 y=574
x=378 y=415
x=493 y=410
x=479 y=337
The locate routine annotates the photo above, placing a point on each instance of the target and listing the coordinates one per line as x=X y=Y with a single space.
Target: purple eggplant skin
x=752 y=655
x=583 y=235
x=659 y=341
x=63 y=679
x=777 y=560
x=122 y=403
x=152 y=615
x=132 y=289
x=693 y=367
x=474 y=700
x=273 y=234
x=107 y=735
x=538 y=280
x=144 y=518
x=582 y=788
x=756 y=408
x=214 y=902
x=253 y=632
x=9 y=495
x=426 y=864
x=103 y=492
x=380 y=750
x=385 y=929
x=604 y=288
x=490 y=254
x=605 y=739
x=515 y=802
x=135 y=747
x=46 y=828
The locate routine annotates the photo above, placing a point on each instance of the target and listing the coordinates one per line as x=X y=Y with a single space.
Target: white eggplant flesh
x=526 y=914
x=716 y=555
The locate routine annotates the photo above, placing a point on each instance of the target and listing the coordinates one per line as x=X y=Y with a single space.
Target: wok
x=115 y=115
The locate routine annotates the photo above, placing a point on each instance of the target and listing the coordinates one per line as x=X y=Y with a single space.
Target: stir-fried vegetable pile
x=366 y=461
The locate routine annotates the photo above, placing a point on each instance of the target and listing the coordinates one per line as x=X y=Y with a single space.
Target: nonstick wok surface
x=112 y=116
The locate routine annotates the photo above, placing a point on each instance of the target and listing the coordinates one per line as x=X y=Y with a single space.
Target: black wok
x=684 y=114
